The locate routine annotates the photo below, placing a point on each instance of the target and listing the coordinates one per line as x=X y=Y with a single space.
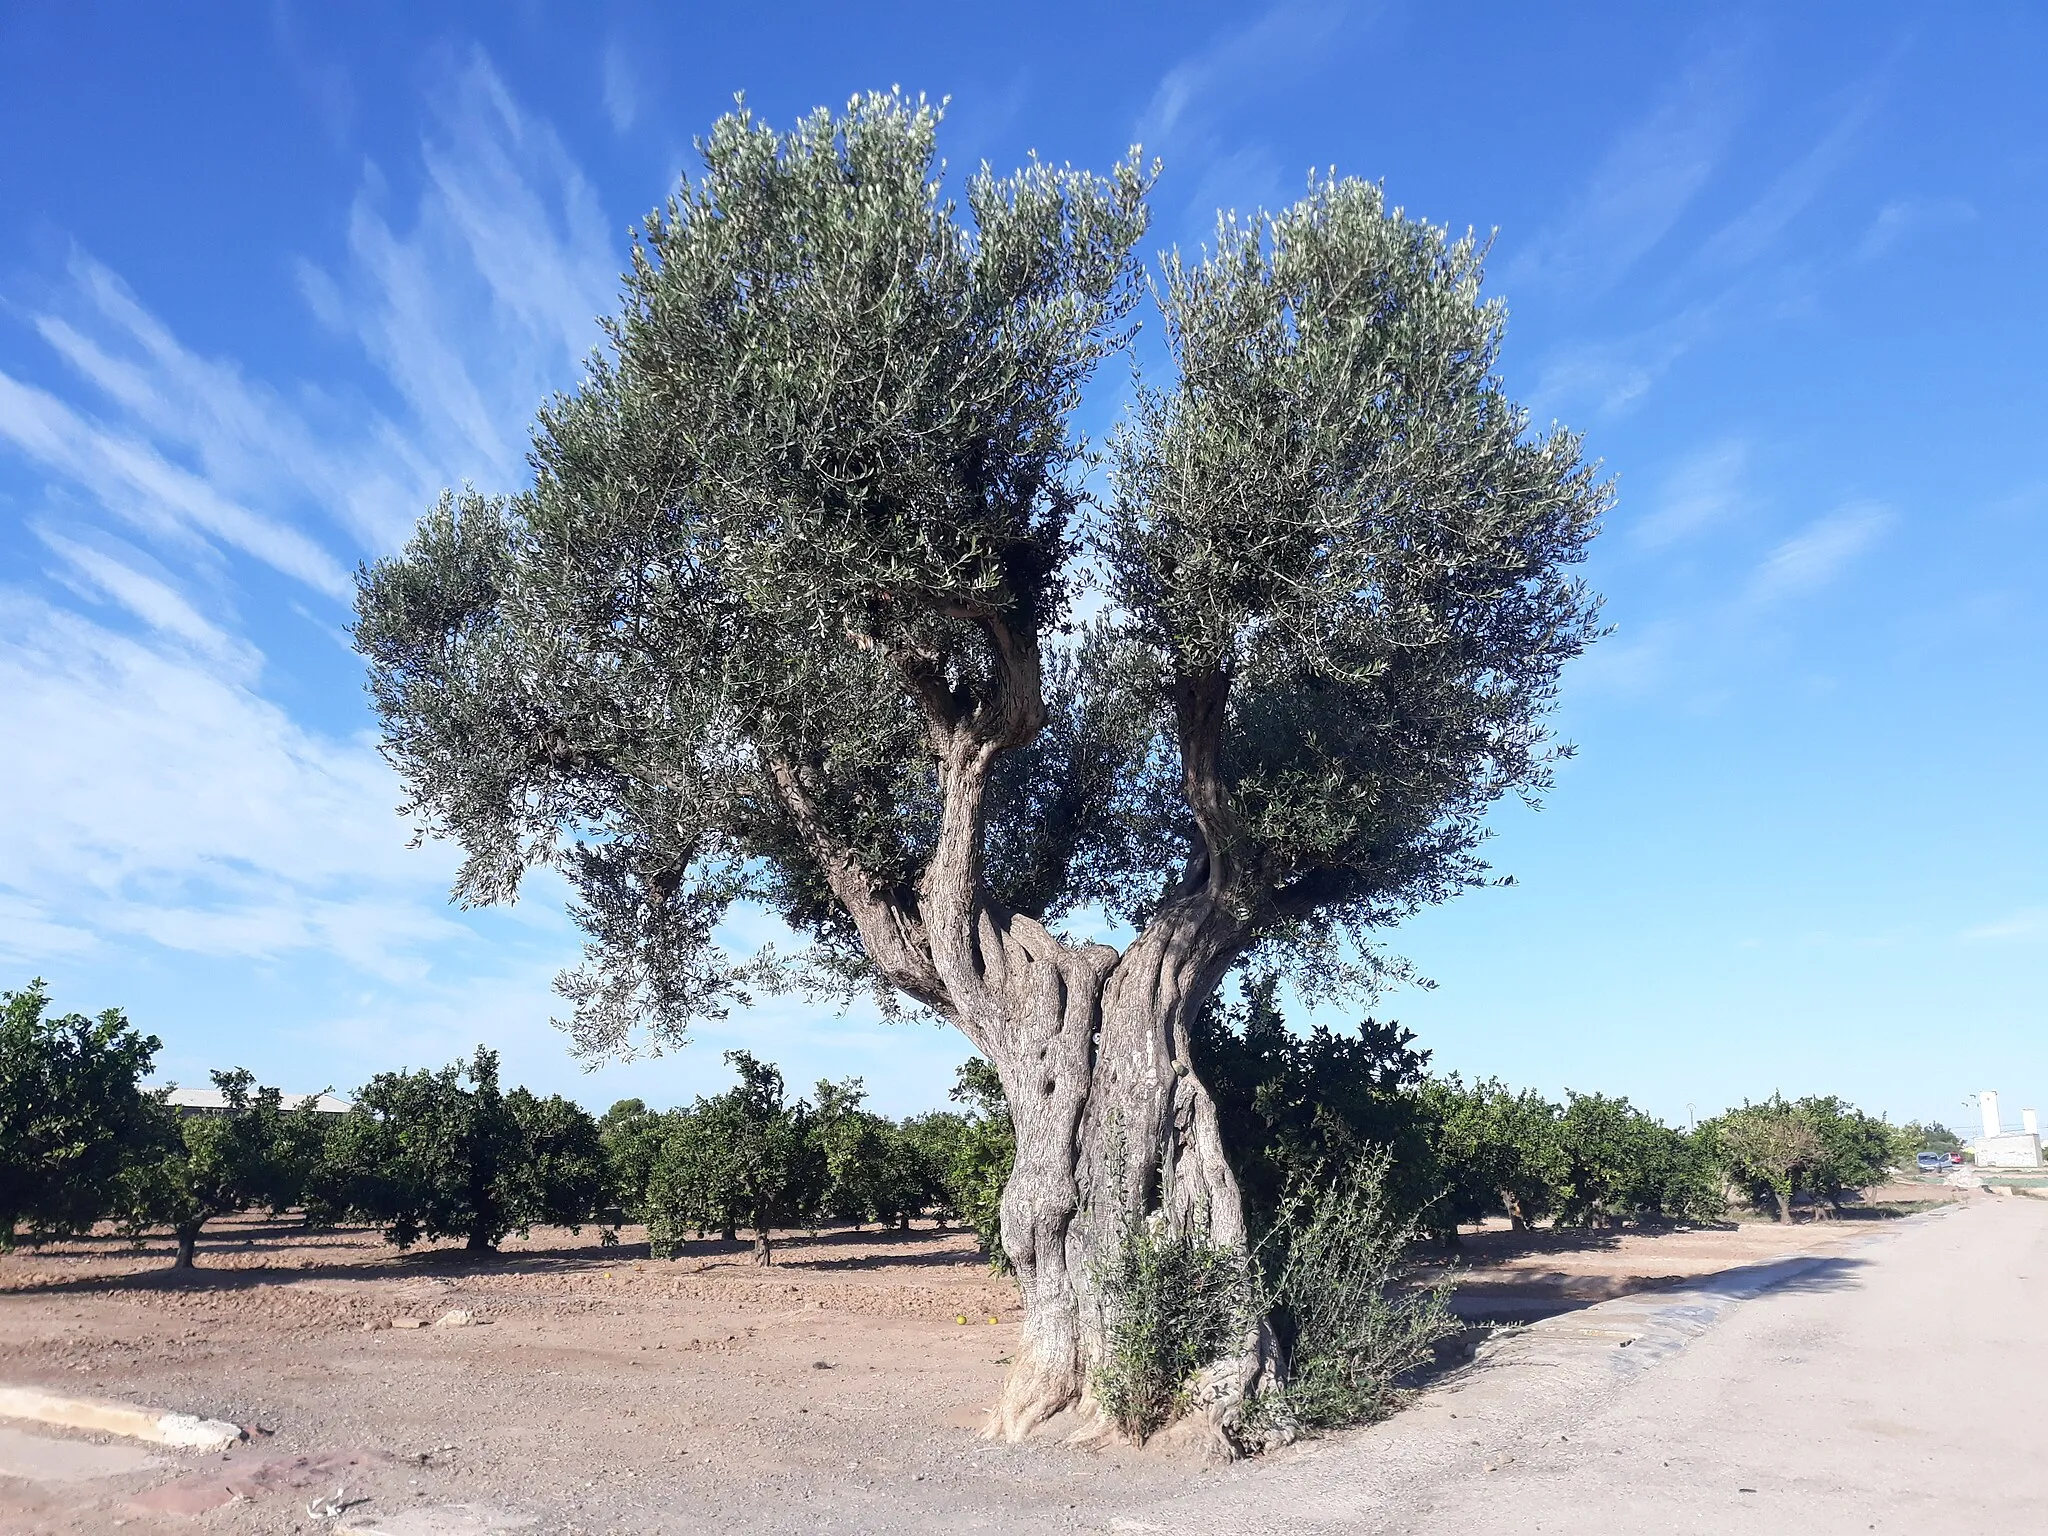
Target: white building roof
x=213 y=1098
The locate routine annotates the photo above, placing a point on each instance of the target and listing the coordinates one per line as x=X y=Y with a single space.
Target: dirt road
x=1900 y=1384
x=1840 y=1371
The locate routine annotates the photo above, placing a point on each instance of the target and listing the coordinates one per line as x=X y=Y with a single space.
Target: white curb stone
x=185 y=1431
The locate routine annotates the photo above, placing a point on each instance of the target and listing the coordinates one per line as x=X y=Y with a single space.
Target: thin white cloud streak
x=1184 y=99
x=131 y=479
x=509 y=214
x=1757 y=228
x=163 y=800
x=168 y=801
x=1646 y=180
x=1615 y=376
x=311 y=455
x=154 y=602
x=2029 y=925
x=1902 y=218
x=1818 y=553
x=1182 y=119
x=1701 y=491
x=621 y=90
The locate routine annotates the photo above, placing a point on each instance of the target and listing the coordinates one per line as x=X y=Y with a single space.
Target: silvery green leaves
x=817 y=489
x=862 y=396
x=1338 y=518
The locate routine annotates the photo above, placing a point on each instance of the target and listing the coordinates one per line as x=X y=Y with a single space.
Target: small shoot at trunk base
x=1173 y=1301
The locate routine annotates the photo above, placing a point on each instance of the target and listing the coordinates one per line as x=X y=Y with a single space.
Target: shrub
x=1497 y=1150
x=1821 y=1147
x=1857 y=1150
x=1768 y=1151
x=873 y=1172
x=1927 y=1136
x=1330 y=1283
x=199 y=1167
x=1300 y=1105
x=983 y=1153
x=632 y=1135
x=1172 y=1302
x=1621 y=1164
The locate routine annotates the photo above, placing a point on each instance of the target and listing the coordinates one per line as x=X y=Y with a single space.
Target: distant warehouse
x=211 y=1101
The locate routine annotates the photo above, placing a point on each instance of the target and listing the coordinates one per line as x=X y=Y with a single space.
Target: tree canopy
x=72 y=1116
x=793 y=589
x=746 y=1157
x=427 y=1156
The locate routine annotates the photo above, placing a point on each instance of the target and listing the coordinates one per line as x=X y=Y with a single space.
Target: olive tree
x=788 y=616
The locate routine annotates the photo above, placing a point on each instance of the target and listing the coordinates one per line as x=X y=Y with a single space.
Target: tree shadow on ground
x=1541 y=1297
x=1792 y=1276
x=1478 y=1250
x=576 y=1254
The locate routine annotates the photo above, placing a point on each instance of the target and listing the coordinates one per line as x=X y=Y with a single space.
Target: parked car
x=1929 y=1161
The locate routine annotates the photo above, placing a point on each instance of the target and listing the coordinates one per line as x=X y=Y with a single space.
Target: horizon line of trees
x=450 y=1154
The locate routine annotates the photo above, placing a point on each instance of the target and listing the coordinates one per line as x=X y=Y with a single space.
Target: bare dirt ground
x=600 y=1390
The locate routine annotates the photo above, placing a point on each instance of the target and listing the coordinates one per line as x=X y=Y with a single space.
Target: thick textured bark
x=1092 y=1046
x=188 y=1244
x=1784 y=1202
x=1101 y=1069
x=764 y=1253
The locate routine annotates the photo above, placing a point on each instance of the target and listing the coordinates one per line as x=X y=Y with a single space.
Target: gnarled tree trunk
x=1092 y=1048
x=1094 y=1057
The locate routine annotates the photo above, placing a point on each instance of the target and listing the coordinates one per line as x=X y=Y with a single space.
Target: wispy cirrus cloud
x=1820 y=551
x=1644 y=182
x=1700 y=491
x=621 y=88
x=1613 y=375
x=109 y=569
x=512 y=219
x=1188 y=117
x=170 y=802
x=133 y=478
x=1728 y=279
x=1903 y=218
x=1753 y=232
x=2029 y=925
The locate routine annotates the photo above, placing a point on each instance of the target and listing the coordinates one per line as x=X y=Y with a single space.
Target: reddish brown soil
x=608 y=1391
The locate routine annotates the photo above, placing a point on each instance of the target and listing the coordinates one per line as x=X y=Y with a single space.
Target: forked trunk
x=764 y=1253
x=1093 y=1052
x=1092 y=1047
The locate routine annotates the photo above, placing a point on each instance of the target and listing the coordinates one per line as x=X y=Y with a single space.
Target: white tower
x=1988 y=1102
x=2030 y=1122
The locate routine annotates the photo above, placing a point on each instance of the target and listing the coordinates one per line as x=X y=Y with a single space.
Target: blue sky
x=270 y=278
